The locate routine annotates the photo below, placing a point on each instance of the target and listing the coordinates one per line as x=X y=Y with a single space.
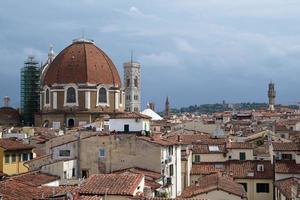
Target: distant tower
x=167 y=108
x=132 y=84
x=152 y=106
x=271 y=95
x=30 y=88
x=6 y=101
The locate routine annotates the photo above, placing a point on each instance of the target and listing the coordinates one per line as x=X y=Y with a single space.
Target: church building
x=79 y=86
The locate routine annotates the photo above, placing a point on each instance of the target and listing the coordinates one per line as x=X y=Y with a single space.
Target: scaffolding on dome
x=30 y=90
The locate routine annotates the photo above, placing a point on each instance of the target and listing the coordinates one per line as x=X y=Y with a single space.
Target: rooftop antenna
x=131 y=56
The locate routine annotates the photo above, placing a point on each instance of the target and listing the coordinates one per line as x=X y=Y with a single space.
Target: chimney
x=147 y=192
x=6 y=101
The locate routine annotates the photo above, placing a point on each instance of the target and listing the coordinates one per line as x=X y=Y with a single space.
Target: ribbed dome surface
x=82 y=62
x=9 y=115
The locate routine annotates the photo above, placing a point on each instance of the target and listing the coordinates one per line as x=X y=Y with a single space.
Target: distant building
x=167 y=107
x=30 y=89
x=271 y=95
x=132 y=85
x=13 y=154
x=8 y=115
x=129 y=123
x=151 y=105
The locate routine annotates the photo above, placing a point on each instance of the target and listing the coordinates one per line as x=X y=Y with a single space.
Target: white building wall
x=178 y=169
x=52 y=184
x=134 y=125
x=68 y=167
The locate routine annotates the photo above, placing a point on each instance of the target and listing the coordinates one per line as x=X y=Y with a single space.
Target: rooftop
x=111 y=184
x=214 y=182
x=11 y=144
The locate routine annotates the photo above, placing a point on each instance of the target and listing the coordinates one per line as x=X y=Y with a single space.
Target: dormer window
x=260 y=168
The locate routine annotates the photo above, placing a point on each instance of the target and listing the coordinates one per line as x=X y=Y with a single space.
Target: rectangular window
x=13 y=158
x=128 y=82
x=242 y=156
x=121 y=99
x=286 y=156
x=135 y=82
x=85 y=173
x=262 y=187
x=31 y=156
x=24 y=157
x=102 y=153
x=7 y=158
x=170 y=150
x=197 y=159
x=136 y=97
x=64 y=153
x=171 y=170
x=65 y=174
x=126 y=127
x=73 y=172
x=244 y=185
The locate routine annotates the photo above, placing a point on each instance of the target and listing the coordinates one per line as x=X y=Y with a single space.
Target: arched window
x=47 y=97
x=71 y=95
x=136 y=82
x=102 y=95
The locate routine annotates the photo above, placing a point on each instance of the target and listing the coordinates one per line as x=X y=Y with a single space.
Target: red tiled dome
x=9 y=115
x=82 y=62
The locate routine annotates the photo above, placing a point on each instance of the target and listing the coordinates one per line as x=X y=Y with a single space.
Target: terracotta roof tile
x=35 y=178
x=207 y=168
x=214 y=182
x=239 y=145
x=11 y=144
x=283 y=146
x=150 y=176
x=111 y=184
x=129 y=115
x=237 y=169
x=285 y=186
x=93 y=64
x=287 y=167
x=208 y=149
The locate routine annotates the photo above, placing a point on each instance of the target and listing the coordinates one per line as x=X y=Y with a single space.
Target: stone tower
x=271 y=95
x=132 y=86
x=167 y=107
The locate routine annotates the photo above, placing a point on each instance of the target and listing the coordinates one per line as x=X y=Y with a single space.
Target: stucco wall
x=251 y=188
x=235 y=154
x=212 y=157
x=218 y=195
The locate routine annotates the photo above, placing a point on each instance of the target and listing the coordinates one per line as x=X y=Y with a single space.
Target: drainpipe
x=78 y=156
x=176 y=169
x=274 y=173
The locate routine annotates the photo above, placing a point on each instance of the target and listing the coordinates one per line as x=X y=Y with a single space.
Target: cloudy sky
x=193 y=51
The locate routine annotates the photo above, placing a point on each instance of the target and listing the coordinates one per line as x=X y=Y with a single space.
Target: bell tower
x=132 y=86
x=271 y=95
x=167 y=107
